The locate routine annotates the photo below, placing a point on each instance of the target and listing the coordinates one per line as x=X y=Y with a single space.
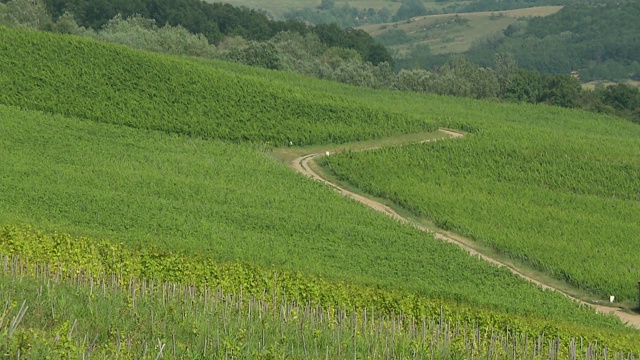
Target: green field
x=556 y=189
x=452 y=33
x=160 y=93
x=164 y=159
x=231 y=202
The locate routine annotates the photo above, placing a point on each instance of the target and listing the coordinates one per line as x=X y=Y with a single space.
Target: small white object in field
x=290 y=143
x=327 y=153
x=612 y=298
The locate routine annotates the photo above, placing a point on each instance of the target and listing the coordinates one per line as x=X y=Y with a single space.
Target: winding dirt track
x=302 y=165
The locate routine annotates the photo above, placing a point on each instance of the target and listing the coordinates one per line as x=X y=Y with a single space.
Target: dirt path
x=302 y=165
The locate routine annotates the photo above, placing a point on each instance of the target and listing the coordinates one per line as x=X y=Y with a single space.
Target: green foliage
x=598 y=40
x=213 y=20
x=555 y=189
x=534 y=87
x=409 y=9
x=144 y=34
x=25 y=13
x=116 y=85
x=55 y=314
x=108 y=267
x=67 y=24
x=326 y=4
x=354 y=39
x=462 y=78
x=181 y=198
x=262 y=54
x=344 y=16
x=225 y=202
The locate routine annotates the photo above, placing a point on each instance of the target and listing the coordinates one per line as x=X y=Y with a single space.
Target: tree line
x=215 y=21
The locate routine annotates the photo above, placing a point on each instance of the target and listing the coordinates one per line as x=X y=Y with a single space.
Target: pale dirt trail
x=302 y=166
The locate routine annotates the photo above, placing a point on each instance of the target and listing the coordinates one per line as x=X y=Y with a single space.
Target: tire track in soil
x=302 y=165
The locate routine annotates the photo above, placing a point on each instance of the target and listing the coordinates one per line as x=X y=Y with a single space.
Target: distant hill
x=600 y=41
x=449 y=33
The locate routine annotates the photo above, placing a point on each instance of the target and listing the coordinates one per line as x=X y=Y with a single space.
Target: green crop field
x=159 y=93
x=453 y=33
x=156 y=167
x=559 y=190
x=231 y=202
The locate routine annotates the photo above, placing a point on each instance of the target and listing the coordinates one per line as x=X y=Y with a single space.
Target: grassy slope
x=555 y=188
x=161 y=93
x=444 y=36
x=230 y=202
x=195 y=195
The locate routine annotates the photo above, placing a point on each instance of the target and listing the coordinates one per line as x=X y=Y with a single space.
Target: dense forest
x=214 y=21
x=599 y=41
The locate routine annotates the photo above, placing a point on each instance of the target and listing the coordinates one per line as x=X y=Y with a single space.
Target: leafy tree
x=261 y=54
x=476 y=81
x=66 y=24
x=525 y=86
x=142 y=33
x=409 y=9
x=26 y=13
x=562 y=90
x=326 y=5
x=414 y=80
x=622 y=97
x=506 y=68
x=214 y=21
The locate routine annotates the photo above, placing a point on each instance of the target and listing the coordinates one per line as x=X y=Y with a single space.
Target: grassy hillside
x=599 y=40
x=230 y=202
x=160 y=93
x=449 y=33
x=555 y=189
x=182 y=201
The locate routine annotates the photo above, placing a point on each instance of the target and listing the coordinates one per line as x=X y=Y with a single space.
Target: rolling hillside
x=134 y=166
x=160 y=93
x=598 y=39
x=556 y=190
x=449 y=33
